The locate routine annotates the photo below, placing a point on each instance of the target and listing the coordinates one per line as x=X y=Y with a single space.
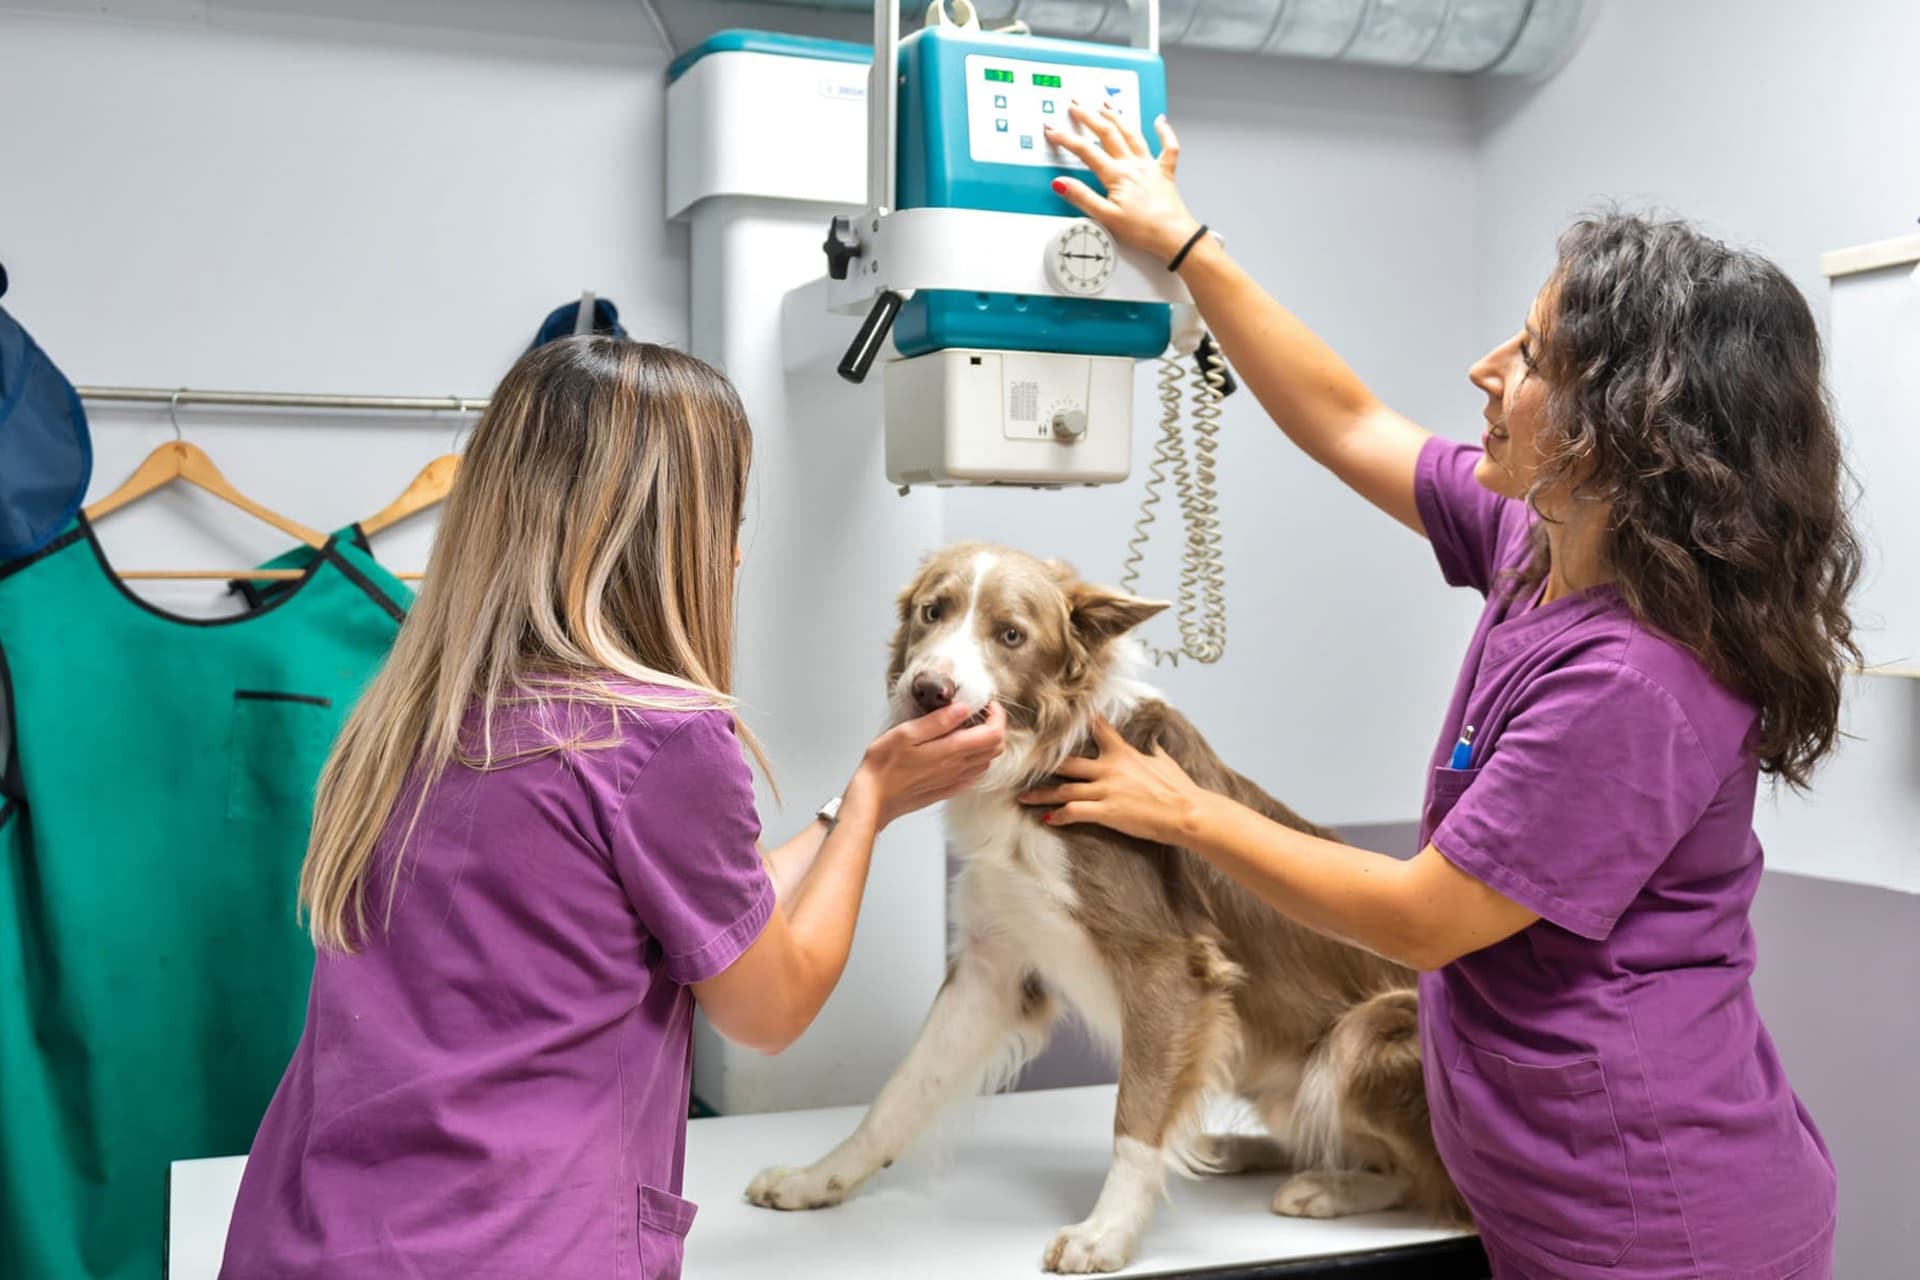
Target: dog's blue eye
x=930 y=612
x=1013 y=637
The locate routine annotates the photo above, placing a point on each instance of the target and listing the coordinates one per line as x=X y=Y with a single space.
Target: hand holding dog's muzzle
x=932 y=758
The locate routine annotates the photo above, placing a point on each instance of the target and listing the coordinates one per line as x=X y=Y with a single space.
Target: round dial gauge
x=1081 y=258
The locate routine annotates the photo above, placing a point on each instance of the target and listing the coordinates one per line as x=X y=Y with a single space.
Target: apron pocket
x=664 y=1219
x=1546 y=1162
x=279 y=743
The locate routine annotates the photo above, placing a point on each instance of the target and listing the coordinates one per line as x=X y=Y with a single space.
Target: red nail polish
x=1059 y=184
x=1047 y=818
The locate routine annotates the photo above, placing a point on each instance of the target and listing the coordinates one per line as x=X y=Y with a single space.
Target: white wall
x=1785 y=125
x=250 y=201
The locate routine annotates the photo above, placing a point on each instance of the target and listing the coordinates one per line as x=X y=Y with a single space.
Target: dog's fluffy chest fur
x=1015 y=896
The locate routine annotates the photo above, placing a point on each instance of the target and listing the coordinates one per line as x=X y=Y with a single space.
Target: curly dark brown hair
x=1684 y=389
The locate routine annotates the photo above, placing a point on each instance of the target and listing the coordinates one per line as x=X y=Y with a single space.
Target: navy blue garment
x=560 y=321
x=46 y=456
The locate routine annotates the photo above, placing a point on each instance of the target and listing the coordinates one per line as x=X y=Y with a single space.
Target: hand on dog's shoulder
x=1155 y=724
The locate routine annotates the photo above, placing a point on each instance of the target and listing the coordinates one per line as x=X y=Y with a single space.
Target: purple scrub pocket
x=664 y=1219
x=1547 y=1166
x=1448 y=786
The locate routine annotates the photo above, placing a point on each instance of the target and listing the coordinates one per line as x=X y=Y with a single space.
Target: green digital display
x=1047 y=82
x=1001 y=77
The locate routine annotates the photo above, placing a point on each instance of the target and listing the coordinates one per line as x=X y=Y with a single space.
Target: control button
x=1026 y=142
x=1069 y=424
x=1046 y=108
x=1000 y=101
x=1000 y=126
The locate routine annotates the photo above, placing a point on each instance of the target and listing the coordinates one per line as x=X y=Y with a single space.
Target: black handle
x=872 y=336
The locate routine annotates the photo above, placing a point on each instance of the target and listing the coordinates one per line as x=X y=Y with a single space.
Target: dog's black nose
x=932 y=692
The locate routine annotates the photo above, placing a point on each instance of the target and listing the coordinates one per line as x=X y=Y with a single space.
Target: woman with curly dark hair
x=1656 y=516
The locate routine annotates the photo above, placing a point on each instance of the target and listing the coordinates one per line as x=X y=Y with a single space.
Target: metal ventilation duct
x=1470 y=37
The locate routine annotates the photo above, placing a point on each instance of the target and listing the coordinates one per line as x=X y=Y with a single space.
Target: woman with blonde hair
x=535 y=849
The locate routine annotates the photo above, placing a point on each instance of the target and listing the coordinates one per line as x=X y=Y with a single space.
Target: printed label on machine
x=1010 y=101
x=851 y=84
x=1041 y=392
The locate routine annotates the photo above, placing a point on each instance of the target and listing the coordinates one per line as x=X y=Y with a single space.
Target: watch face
x=1081 y=259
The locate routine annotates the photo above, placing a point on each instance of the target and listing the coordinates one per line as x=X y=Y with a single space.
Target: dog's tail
x=1368 y=1059
x=1313 y=1125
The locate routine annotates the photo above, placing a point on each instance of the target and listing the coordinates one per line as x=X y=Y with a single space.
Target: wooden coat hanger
x=178 y=460
x=428 y=489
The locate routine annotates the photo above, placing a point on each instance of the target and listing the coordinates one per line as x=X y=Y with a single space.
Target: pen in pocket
x=1462 y=750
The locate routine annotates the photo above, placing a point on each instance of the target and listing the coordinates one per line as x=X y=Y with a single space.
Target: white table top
x=980 y=1198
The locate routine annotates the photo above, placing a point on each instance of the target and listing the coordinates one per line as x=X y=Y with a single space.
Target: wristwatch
x=829 y=813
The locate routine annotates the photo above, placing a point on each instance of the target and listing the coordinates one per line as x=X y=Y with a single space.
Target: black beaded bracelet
x=1187 y=248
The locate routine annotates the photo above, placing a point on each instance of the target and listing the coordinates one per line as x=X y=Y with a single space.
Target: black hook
x=842 y=247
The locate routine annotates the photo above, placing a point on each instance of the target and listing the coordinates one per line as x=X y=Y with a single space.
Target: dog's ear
x=897 y=664
x=1101 y=613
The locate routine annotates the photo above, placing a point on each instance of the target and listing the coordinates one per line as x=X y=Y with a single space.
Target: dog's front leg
x=987 y=1000
x=1177 y=1035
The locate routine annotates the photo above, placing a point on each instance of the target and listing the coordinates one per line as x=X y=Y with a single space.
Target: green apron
x=153 y=974
x=261 y=591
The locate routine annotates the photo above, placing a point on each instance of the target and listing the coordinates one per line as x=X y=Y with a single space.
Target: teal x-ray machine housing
x=1016 y=322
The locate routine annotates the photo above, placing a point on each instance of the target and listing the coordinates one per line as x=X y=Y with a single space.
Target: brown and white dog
x=1201 y=988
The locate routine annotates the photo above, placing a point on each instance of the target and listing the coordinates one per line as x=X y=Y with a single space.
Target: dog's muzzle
x=929 y=691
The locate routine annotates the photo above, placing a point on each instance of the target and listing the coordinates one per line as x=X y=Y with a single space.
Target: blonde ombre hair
x=587 y=544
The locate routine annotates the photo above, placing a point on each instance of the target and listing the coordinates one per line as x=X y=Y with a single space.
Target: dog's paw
x=1308 y=1195
x=1089 y=1248
x=1336 y=1193
x=809 y=1188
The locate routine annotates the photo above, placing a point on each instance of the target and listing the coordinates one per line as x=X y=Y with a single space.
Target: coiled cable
x=1201 y=610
